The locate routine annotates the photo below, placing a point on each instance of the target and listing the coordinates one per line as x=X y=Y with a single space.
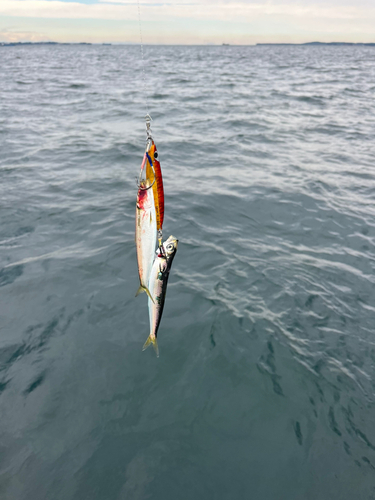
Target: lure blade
x=158 y=185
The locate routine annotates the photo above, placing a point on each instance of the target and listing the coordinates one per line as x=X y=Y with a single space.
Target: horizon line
x=49 y=42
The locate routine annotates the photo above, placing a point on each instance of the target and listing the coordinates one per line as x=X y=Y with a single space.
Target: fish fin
x=154 y=342
x=144 y=289
x=149 y=294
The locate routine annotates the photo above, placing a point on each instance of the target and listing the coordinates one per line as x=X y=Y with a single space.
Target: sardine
x=158 y=287
x=145 y=232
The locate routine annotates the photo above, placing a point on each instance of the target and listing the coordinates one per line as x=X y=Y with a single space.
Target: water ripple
x=267 y=345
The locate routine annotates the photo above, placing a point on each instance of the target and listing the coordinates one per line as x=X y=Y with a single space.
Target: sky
x=188 y=21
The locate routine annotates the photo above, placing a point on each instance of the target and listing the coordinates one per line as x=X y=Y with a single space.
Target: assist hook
x=142 y=181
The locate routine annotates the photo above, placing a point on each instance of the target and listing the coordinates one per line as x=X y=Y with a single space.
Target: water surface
x=264 y=388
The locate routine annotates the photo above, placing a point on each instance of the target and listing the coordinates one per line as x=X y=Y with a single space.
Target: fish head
x=170 y=247
x=144 y=199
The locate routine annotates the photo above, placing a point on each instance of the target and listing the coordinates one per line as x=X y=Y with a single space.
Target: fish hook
x=160 y=237
x=161 y=252
x=142 y=187
x=139 y=181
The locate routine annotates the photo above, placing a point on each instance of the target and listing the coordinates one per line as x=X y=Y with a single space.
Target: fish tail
x=154 y=342
x=144 y=289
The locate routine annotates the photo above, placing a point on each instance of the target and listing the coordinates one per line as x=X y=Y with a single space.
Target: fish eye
x=156 y=155
x=170 y=246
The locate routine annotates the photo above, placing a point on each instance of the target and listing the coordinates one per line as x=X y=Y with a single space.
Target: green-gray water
x=264 y=388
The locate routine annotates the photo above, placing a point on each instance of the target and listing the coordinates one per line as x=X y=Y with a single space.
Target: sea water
x=264 y=388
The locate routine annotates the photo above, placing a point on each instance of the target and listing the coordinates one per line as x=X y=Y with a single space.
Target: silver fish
x=158 y=288
x=145 y=234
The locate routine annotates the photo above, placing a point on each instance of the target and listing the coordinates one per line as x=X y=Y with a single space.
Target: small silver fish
x=145 y=235
x=158 y=288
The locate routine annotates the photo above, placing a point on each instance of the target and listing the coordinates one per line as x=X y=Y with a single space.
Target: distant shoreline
x=11 y=44
x=369 y=44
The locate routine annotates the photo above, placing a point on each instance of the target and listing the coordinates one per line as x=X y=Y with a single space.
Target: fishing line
x=143 y=59
x=153 y=162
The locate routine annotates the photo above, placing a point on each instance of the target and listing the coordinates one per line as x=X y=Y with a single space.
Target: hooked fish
x=158 y=287
x=145 y=227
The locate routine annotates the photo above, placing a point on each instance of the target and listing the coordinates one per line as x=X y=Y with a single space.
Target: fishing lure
x=149 y=211
x=158 y=189
x=153 y=168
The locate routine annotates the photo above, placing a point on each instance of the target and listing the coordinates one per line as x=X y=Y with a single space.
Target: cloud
x=10 y=36
x=189 y=21
x=67 y=10
x=207 y=10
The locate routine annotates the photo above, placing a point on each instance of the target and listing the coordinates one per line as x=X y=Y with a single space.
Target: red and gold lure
x=149 y=211
x=153 y=169
x=154 y=164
